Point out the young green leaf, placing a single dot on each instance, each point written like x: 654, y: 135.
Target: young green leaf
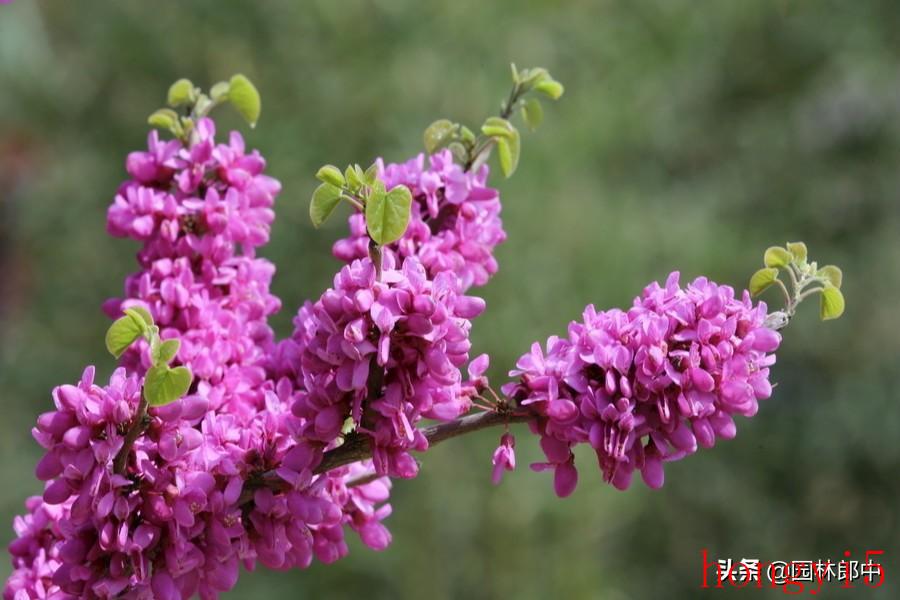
x: 762, y: 279
x: 387, y: 215
x: 122, y: 333
x: 353, y: 181
x: 165, y: 351
x: 532, y: 113
x: 496, y: 127
x: 466, y: 135
x: 139, y: 313
x: 372, y: 174
x: 550, y: 88
x: 831, y: 303
x: 438, y: 134
x: 164, y: 118
x: 533, y: 76
x: 777, y: 257
x: 164, y: 385
x: 798, y: 251
x: 459, y: 151
x: 243, y: 96
x: 833, y: 274
x: 219, y: 91
x: 324, y: 201
x: 331, y: 174
x: 508, y: 152
x: 181, y: 92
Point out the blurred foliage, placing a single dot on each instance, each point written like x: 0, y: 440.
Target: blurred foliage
x: 692, y: 136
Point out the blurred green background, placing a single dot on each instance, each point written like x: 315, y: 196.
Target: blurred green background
x: 692, y: 135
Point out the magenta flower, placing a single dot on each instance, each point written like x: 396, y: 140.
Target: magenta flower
x: 455, y: 223
x: 504, y: 457
x: 381, y: 354
x: 648, y: 385
x: 182, y: 517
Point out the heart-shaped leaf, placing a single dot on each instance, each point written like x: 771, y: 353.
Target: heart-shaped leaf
x: 762, y: 279
x: 831, y: 303
x: 165, y: 351
x: 387, y: 215
x: 164, y: 385
x: 777, y: 257
x: 438, y: 134
x: 125, y: 330
x: 324, y: 200
x: 243, y: 96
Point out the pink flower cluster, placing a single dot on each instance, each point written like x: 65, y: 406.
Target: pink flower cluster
x: 647, y: 385
x: 191, y: 504
x: 455, y: 223
x: 201, y: 212
x: 383, y: 353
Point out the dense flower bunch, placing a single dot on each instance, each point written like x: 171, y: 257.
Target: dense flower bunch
x: 384, y: 352
x: 455, y: 222
x: 187, y: 508
x: 194, y: 208
x: 649, y: 384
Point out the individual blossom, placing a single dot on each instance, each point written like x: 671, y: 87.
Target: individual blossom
x: 455, y: 222
x: 504, y: 458
x: 647, y: 385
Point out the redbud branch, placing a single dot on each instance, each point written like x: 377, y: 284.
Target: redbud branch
x: 485, y: 143
x: 357, y: 447
x: 138, y: 424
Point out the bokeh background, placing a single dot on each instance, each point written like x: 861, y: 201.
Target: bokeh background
x: 692, y: 135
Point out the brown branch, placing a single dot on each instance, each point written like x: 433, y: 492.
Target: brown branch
x: 138, y: 425
x: 357, y: 447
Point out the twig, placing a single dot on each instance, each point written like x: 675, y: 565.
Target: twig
x: 138, y: 425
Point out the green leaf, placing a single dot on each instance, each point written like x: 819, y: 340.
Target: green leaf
x: 360, y: 174
x: 496, y: 127
x: 466, y: 135
x: 164, y: 118
x: 515, y: 72
x: 831, y: 303
x: 508, y: 152
x: 833, y: 274
x: 354, y: 181
x: 550, y: 88
x: 531, y: 77
x: 459, y: 151
x: 331, y: 174
x: 243, y: 96
x: 181, y: 92
x: 122, y: 333
x: 219, y: 92
x: 164, y: 385
x: 165, y: 351
x: 387, y: 215
x: 777, y: 257
x: 438, y: 134
x: 532, y: 113
x: 324, y: 200
x: 372, y: 174
x: 798, y: 251
x: 140, y: 313
x: 762, y: 279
